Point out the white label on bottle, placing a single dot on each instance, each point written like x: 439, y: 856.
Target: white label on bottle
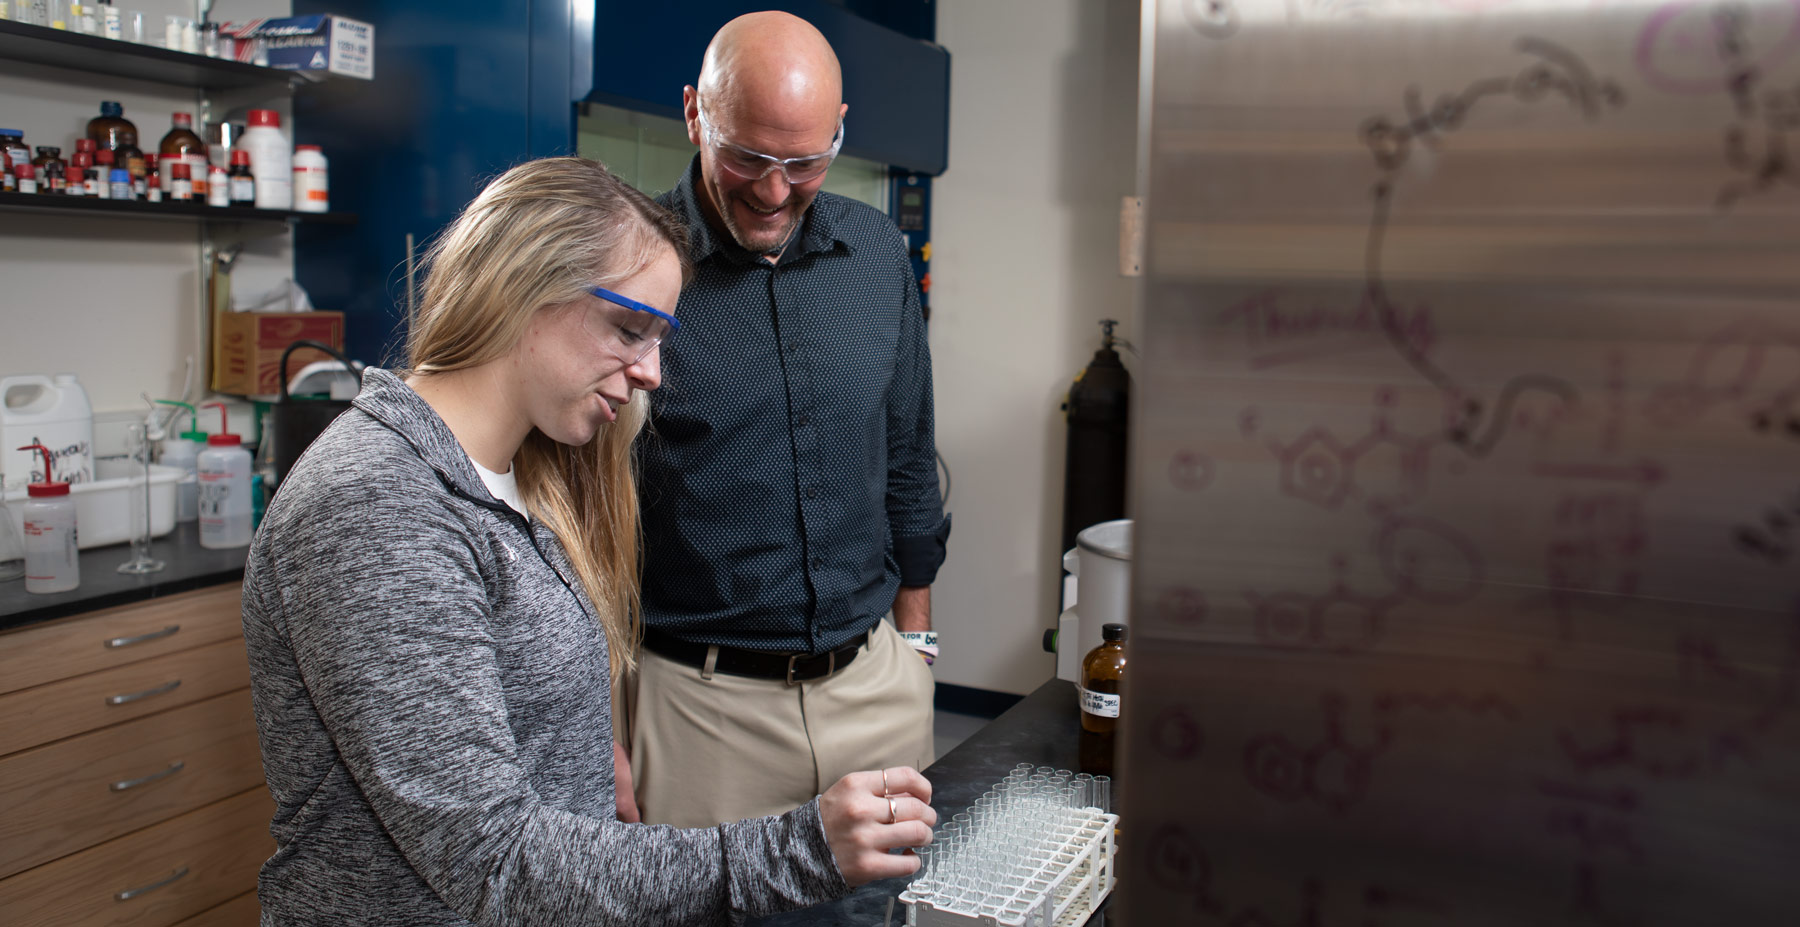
x: 197, y: 171
x: 1098, y: 704
x: 28, y: 186
x: 243, y: 190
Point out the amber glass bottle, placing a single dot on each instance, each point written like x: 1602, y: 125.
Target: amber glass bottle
x: 111, y: 131
x: 182, y: 145
x: 1101, y: 673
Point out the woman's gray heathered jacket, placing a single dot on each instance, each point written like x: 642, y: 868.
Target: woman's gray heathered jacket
x: 432, y: 695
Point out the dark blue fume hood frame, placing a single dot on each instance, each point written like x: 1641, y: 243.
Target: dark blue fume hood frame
x: 463, y: 90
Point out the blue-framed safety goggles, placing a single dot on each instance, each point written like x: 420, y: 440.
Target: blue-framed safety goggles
x: 626, y: 328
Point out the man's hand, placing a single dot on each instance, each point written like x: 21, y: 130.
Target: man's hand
x: 623, y: 796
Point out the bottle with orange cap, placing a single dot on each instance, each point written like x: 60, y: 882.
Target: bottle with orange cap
x: 52, y: 555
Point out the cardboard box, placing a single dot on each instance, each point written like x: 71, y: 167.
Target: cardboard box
x: 247, y: 347
x: 321, y: 42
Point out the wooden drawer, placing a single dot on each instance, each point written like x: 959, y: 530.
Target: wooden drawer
x: 242, y: 911
x: 84, y: 703
x: 117, y: 636
x: 68, y: 796
x: 169, y: 872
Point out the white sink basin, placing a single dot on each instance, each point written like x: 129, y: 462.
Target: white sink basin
x: 110, y: 510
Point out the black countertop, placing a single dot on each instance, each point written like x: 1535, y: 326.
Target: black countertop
x: 187, y: 566
x: 1041, y: 730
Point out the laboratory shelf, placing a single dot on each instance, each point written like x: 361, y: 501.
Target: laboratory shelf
x: 48, y: 203
x: 101, y: 55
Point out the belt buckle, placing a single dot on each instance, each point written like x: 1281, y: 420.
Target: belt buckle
x: 830, y: 666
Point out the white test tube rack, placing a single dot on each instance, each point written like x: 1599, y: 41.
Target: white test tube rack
x: 1030, y: 862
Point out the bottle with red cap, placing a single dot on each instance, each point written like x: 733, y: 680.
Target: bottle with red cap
x: 81, y: 168
x: 224, y: 488
x: 52, y: 555
x: 271, y: 159
x: 243, y: 182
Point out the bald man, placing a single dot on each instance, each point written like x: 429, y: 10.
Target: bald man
x: 790, y: 493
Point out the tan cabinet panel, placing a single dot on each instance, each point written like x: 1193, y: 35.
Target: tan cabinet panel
x: 58, y: 799
x: 242, y: 911
x: 117, y: 636
x: 155, y: 877
x: 84, y: 703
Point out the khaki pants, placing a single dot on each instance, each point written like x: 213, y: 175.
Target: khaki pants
x: 708, y: 751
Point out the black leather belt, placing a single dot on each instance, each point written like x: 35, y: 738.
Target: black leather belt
x: 760, y: 664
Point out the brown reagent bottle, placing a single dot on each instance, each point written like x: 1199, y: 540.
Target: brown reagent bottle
x: 1102, y: 670
x: 111, y: 131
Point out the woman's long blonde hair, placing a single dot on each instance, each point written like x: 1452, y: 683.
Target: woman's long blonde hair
x: 540, y: 235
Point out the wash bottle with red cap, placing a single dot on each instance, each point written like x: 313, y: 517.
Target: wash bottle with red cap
x: 224, y: 488
x: 52, y: 560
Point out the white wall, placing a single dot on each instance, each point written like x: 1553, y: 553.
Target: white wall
x: 114, y: 300
x: 1025, y: 262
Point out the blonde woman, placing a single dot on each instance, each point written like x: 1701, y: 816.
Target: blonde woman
x: 446, y: 585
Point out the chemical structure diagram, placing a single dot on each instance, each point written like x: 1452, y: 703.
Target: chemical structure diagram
x: 1321, y: 468
x: 1750, y: 366
x: 1593, y: 558
x: 1476, y: 427
x: 1178, y: 865
x: 1334, y: 771
x: 1175, y: 735
x: 1422, y: 560
x: 1773, y: 115
x: 1661, y: 744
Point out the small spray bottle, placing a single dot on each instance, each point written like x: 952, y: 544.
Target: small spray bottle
x: 52, y: 558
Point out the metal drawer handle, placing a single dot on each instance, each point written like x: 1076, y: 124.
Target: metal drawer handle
x: 124, y: 784
x: 153, y: 635
x: 133, y: 893
x: 123, y: 699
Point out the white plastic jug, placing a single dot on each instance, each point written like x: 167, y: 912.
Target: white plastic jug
x: 1101, y: 562
x: 54, y: 412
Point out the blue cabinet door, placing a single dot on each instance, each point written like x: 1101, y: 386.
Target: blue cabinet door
x: 462, y: 91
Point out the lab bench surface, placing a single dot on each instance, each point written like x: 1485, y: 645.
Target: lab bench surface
x: 187, y: 566
x: 1040, y: 730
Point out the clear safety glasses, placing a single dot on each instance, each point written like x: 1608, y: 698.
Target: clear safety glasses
x: 627, y: 329
x: 754, y: 165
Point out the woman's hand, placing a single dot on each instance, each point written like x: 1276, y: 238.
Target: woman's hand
x: 868, y: 813
x: 623, y: 796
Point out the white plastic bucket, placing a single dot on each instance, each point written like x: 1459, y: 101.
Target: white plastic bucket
x: 1101, y: 564
x: 54, y: 412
